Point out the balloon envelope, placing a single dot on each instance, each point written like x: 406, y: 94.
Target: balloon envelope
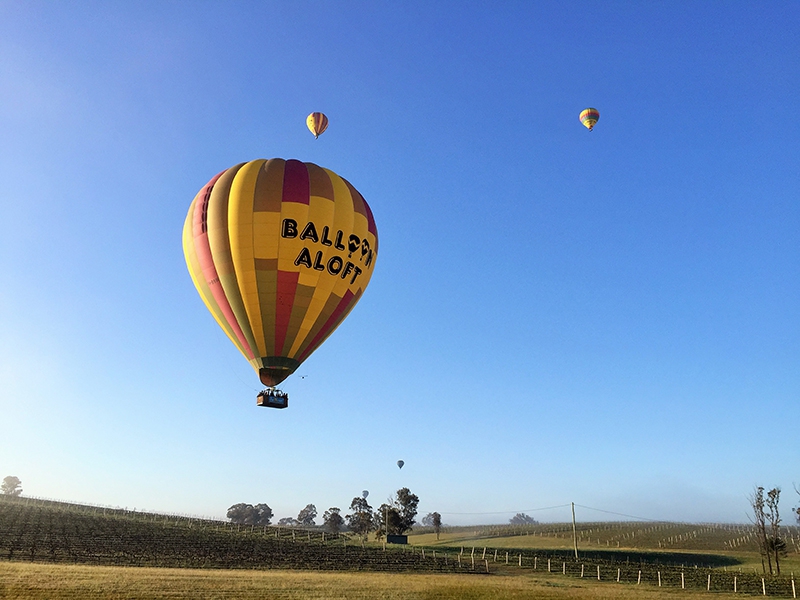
x: 589, y: 117
x: 400, y: 464
x: 365, y: 493
x: 280, y: 252
x: 317, y: 122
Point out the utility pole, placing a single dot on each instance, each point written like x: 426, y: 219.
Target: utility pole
x: 574, y: 533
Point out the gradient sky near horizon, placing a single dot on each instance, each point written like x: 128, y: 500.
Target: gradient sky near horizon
x: 606, y: 318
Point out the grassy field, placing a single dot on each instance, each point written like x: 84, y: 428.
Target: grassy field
x: 55, y: 550
x: 711, y: 550
x: 34, y: 581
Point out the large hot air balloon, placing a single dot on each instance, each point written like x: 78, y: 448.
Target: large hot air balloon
x: 588, y: 117
x: 280, y: 252
x: 317, y: 123
x: 400, y: 464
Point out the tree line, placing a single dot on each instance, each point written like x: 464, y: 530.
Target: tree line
x: 395, y: 517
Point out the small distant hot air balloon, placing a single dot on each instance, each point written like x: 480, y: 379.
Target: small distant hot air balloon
x: 589, y: 116
x: 317, y: 123
x: 365, y: 493
x: 400, y: 464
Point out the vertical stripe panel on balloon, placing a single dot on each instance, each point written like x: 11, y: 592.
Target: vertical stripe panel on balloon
x: 320, y: 214
x: 206, y: 261
x: 295, y: 206
x: 333, y: 288
x: 267, y: 234
x: 344, y: 221
x: 326, y: 282
x: 240, y: 227
x: 193, y: 264
x: 361, y: 253
x: 228, y: 190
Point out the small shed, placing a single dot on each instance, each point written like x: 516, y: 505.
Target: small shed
x: 397, y: 539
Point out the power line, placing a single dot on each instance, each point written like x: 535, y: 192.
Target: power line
x: 507, y: 512
x: 621, y: 514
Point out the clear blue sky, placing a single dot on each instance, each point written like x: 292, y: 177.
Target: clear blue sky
x: 609, y: 318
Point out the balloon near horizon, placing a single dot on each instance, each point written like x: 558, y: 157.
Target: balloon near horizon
x: 280, y: 252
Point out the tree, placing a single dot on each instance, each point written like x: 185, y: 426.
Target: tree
x: 247, y: 514
x: 332, y: 520
x: 387, y: 512
x: 434, y: 520
x: 288, y: 522
x: 760, y: 521
x: 307, y: 515
x: 406, y: 504
x: 400, y: 512
x: 263, y: 514
x: 11, y: 486
x: 360, y: 520
x: 522, y: 519
x: 797, y: 509
x: 775, y: 544
x: 240, y: 513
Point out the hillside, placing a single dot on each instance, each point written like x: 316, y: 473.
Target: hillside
x: 43, y: 531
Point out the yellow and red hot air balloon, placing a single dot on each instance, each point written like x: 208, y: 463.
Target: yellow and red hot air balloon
x: 280, y: 252
x: 317, y: 122
x: 589, y: 117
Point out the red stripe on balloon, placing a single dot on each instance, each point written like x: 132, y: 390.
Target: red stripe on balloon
x: 295, y: 182
x: 287, y: 287
x: 203, y: 250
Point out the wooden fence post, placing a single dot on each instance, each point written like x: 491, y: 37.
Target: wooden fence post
x: 659, y: 578
x: 598, y: 572
x: 619, y: 571
x: 639, y: 580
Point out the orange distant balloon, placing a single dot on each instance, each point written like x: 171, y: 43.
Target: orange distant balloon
x: 317, y: 123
